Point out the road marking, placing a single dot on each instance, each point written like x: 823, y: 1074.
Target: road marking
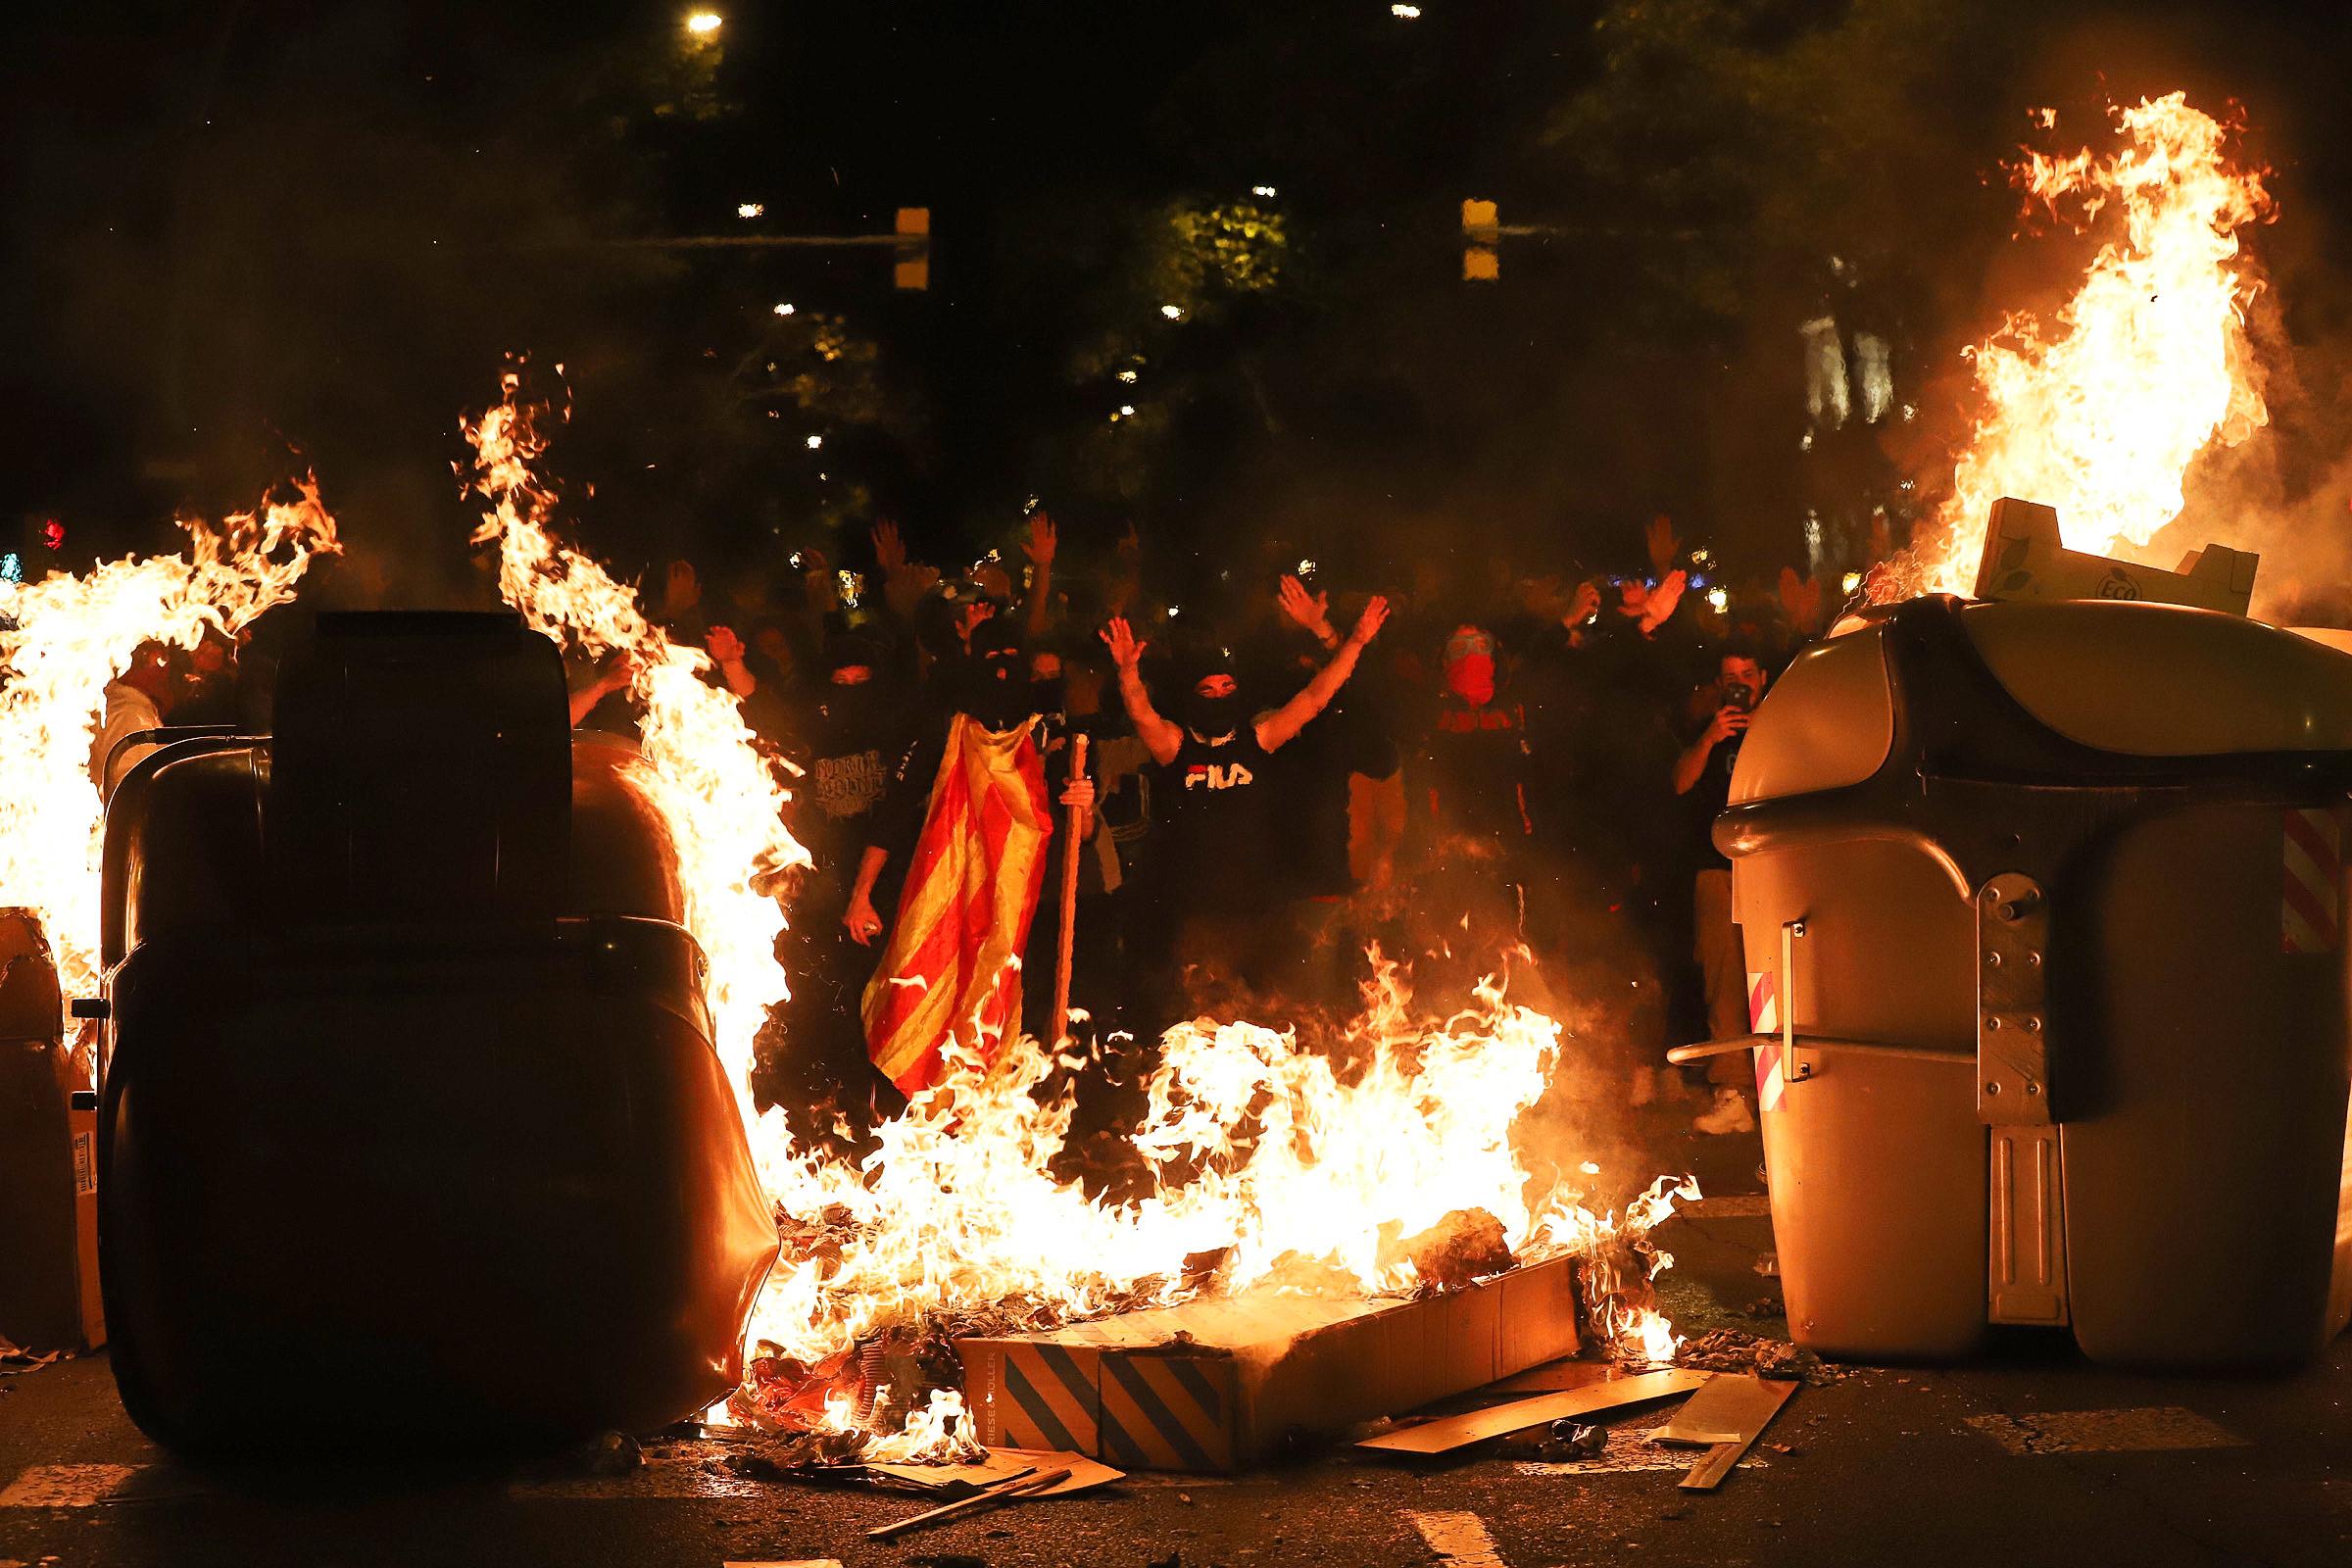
x: 2143, y: 1431
x: 66, y: 1485
x: 1458, y: 1536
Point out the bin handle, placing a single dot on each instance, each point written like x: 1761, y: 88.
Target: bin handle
x: 1684, y: 1056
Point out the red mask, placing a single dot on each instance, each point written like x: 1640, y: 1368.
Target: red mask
x: 1471, y: 677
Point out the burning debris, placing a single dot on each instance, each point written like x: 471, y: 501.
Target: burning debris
x: 2100, y: 412
x: 1279, y: 1162
x: 64, y: 639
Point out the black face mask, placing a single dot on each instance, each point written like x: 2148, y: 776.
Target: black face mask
x: 995, y: 695
x: 1212, y: 717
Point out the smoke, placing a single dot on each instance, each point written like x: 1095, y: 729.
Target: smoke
x: 2287, y: 493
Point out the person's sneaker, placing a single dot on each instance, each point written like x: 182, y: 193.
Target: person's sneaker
x: 1729, y: 1113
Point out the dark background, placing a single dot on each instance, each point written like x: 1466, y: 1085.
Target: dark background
x: 241, y: 227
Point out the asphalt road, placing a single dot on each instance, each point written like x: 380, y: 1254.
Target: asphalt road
x: 1971, y: 1465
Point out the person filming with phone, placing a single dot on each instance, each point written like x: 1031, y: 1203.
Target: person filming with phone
x: 1703, y: 778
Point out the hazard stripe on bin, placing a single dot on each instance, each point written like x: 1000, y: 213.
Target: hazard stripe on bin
x: 1763, y: 1017
x: 2312, y: 859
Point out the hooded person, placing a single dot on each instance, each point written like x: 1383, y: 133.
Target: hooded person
x: 950, y: 965
x: 1215, y: 839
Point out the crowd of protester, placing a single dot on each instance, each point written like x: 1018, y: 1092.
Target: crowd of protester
x: 1473, y: 763
x: 1279, y: 777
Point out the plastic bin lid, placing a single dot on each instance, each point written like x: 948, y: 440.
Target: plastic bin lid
x: 2147, y: 681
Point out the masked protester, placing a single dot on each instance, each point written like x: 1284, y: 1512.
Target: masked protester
x: 1476, y: 758
x: 1703, y: 778
x: 1216, y: 837
x: 856, y: 731
x: 979, y: 793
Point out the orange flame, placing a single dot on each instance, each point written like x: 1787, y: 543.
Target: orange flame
x: 1286, y: 1163
x: 62, y: 640
x: 2145, y: 365
x: 697, y: 759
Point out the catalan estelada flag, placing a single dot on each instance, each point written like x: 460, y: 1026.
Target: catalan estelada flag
x: 950, y: 963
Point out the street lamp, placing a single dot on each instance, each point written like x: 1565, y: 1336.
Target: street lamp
x: 703, y: 24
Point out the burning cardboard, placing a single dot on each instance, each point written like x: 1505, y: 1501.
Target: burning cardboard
x: 1221, y: 1383
x: 2026, y: 559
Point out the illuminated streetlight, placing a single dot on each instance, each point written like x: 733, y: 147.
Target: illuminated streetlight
x: 1174, y: 313
x: 749, y: 208
x: 1406, y: 12
x: 1261, y: 190
x: 815, y: 441
x: 1127, y: 409
x: 1127, y: 376
x: 784, y: 309
x: 703, y: 24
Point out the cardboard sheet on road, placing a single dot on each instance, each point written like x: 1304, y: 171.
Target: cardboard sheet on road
x: 1459, y: 1431
x: 1002, y: 1462
x: 1726, y: 1417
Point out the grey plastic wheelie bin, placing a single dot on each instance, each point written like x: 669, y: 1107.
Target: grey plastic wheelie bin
x: 2042, y: 906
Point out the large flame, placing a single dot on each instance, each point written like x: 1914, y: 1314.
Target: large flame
x: 697, y: 759
x: 62, y: 640
x: 2100, y: 412
x: 1270, y: 1160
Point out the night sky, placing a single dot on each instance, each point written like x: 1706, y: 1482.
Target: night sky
x: 235, y: 229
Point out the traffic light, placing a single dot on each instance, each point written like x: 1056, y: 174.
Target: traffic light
x: 1482, y: 256
x: 913, y: 228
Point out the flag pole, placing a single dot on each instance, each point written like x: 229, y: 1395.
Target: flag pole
x: 1069, y: 903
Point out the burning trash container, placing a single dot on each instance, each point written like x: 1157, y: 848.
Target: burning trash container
x: 411, y: 1123
x: 2043, y: 910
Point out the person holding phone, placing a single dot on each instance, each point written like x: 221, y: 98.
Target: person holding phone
x: 1702, y: 777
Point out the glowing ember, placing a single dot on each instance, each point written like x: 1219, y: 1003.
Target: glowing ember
x: 1270, y: 1163
x: 63, y: 639
x: 2101, y: 413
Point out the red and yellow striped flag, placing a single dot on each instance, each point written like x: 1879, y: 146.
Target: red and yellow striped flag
x: 950, y: 965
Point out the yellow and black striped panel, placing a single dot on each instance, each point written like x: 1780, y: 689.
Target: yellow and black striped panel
x: 1167, y: 1412
x: 1047, y: 1398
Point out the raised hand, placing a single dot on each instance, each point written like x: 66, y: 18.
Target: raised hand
x: 1585, y: 604
x: 890, y: 549
x: 1664, y: 597
x: 1039, y: 546
x: 1119, y: 638
x: 724, y: 646
x: 1660, y: 539
x: 1313, y: 612
x: 1368, y: 624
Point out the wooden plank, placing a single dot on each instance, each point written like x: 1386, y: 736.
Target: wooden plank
x: 1459, y: 1431
x: 1726, y: 1417
x: 1553, y: 1377
x: 1005, y: 1490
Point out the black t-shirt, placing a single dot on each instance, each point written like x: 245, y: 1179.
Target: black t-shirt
x: 1215, y: 838
x: 1709, y: 795
x: 855, y: 736
x: 1478, y: 769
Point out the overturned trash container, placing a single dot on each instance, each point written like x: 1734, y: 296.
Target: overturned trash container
x: 2044, y: 912
x: 412, y: 1128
